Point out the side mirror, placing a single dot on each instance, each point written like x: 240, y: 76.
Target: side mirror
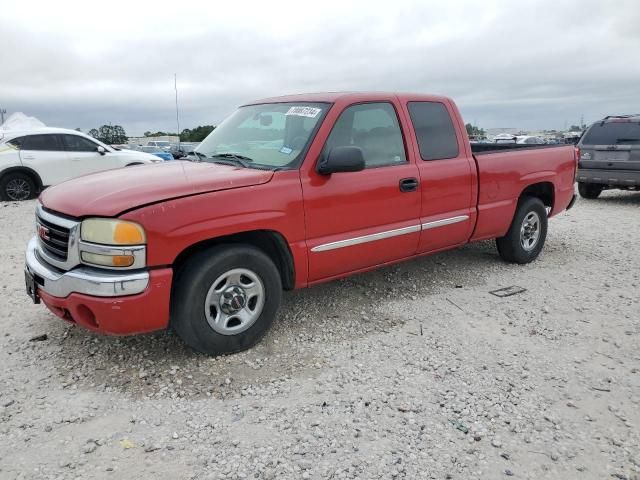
x: 342, y: 159
x: 101, y: 150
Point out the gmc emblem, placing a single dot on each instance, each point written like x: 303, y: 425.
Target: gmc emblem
x: 43, y: 232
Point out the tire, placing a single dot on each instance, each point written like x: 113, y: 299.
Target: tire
x: 209, y: 290
x: 590, y: 190
x: 526, y: 236
x: 17, y: 186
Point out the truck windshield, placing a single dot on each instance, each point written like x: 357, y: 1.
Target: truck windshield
x: 613, y: 133
x: 270, y: 135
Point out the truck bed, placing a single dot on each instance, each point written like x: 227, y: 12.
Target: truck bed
x: 505, y: 173
x: 483, y: 148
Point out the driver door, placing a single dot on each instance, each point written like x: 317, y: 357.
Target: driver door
x: 358, y: 220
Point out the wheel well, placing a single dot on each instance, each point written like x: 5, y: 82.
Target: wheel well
x: 27, y: 171
x: 543, y: 190
x: 273, y: 244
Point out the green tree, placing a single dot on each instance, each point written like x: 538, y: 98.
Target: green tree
x: 109, y: 134
x: 160, y: 134
x: 197, y: 134
x: 474, y: 131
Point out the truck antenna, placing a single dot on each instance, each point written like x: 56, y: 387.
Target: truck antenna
x: 175, y: 86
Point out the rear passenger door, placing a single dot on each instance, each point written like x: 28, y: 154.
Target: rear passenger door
x: 357, y: 220
x: 447, y: 176
x: 45, y: 154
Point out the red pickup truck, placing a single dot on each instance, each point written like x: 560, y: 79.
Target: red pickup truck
x: 286, y: 193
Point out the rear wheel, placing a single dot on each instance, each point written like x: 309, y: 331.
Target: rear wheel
x: 17, y: 186
x: 225, y: 299
x: 526, y: 236
x: 590, y: 190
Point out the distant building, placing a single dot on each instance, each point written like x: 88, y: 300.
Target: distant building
x: 145, y: 140
x: 492, y: 132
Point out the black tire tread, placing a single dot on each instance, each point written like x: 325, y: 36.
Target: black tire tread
x: 509, y: 246
x: 11, y: 175
x: 191, y: 282
x: 590, y: 191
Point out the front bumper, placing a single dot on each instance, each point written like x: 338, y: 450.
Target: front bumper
x: 86, y: 280
x: 102, y: 301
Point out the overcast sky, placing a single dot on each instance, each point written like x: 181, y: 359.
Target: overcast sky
x: 526, y: 64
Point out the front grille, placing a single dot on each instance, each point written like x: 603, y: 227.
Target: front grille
x: 54, y: 239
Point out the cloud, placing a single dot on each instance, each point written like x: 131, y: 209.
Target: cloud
x: 534, y: 64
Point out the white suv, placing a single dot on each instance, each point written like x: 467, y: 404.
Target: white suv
x: 33, y: 159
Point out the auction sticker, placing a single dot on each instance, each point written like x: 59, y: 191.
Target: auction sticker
x: 310, y: 112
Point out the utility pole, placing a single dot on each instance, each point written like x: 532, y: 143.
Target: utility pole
x: 175, y: 86
x: 3, y: 112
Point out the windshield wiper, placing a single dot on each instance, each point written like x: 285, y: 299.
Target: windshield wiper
x: 232, y: 155
x: 198, y: 155
x: 233, y: 159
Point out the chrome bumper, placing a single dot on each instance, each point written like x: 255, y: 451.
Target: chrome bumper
x: 85, y: 280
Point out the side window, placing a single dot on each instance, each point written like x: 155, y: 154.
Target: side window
x: 436, y: 135
x: 76, y: 143
x: 373, y: 127
x: 50, y: 143
x: 16, y: 142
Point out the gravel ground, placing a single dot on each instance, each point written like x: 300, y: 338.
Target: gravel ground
x: 413, y: 371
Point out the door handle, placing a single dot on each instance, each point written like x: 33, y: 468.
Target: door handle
x: 409, y: 184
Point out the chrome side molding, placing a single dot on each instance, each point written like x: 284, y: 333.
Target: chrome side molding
x: 444, y: 221
x: 366, y: 238
x: 389, y: 233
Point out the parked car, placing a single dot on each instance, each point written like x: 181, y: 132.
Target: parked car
x: 159, y: 145
x: 163, y: 154
x: 529, y: 140
x: 609, y: 156
x: 34, y: 159
x: 288, y: 192
x: 182, y: 149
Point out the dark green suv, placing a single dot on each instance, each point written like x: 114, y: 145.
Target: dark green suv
x: 609, y: 156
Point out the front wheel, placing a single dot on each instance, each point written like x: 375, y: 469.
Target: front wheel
x: 225, y: 299
x: 590, y: 191
x: 527, y: 234
x: 17, y: 186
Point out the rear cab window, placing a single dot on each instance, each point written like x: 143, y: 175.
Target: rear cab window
x: 435, y: 132
x: 623, y: 132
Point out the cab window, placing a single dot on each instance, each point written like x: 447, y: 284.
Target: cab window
x: 373, y: 127
x: 434, y: 130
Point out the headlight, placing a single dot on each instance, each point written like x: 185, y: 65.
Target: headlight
x: 106, y: 231
x: 111, y: 243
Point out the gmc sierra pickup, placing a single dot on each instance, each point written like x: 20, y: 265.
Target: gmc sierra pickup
x: 286, y: 193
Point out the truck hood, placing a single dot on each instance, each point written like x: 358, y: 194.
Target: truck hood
x: 110, y: 193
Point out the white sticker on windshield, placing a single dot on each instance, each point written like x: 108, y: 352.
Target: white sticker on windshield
x: 310, y: 112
